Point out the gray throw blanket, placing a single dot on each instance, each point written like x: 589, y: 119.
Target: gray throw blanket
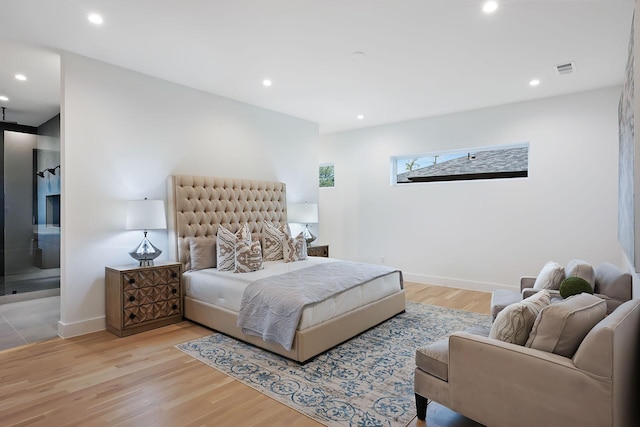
x: 271, y: 308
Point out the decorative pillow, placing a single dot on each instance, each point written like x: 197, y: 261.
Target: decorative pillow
x: 273, y: 241
x: 574, y: 286
x: 248, y: 256
x: 550, y: 277
x: 295, y: 249
x: 581, y: 269
x: 515, y: 321
x: 613, y: 282
x: 561, y: 327
x: 226, y: 246
x: 202, y: 252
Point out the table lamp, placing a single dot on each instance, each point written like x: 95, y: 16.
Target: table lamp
x: 304, y: 213
x: 146, y: 215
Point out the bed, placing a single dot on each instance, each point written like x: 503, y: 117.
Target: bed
x: 199, y: 205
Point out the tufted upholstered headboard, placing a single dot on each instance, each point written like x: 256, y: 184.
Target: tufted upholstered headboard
x: 198, y: 205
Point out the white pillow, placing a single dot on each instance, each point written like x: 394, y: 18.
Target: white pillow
x: 248, y: 256
x: 513, y: 324
x: 550, y: 277
x: 226, y: 246
x: 295, y: 249
x: 581, y: 269
x: 273, y: 241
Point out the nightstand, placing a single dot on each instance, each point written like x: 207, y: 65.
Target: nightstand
x: 143, y: 298
x: 319, y: 250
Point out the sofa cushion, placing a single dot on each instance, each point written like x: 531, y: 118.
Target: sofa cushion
x: 560, y: 327
x: 514, y: 323
x: 581, y: 269
x: 433, y: 358
x: 501, y: 298
x: 613, y: 282
x: 599, y: 348
x: 550, y: 277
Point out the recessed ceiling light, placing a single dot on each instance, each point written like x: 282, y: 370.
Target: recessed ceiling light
x: 534, y: 82
x: 3, y: 98
x: 360, y: 116
x: 490, y: 6
x: 266, y: 82
x: 95, y: 18
x: 21, y: 77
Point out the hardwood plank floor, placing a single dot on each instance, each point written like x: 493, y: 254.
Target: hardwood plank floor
x: 99, y: 379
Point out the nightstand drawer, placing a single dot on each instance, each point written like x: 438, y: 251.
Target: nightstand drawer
x: 320, y: 250
x: 149, y: 277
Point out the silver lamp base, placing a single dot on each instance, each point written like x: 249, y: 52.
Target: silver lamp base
x: 145, y: 252
x: 308, y: 236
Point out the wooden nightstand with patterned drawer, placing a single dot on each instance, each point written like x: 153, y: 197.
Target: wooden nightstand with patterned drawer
x: 320, y: 250
x: 143, y: 298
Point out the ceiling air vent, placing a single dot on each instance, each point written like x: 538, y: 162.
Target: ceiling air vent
x: 568, y: 68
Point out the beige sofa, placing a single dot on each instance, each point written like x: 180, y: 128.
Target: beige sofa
x: 502, y: 384
x: 611, y: 283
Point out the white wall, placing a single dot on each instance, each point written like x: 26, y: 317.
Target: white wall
x: 123, y: 133
x: 480, y: 234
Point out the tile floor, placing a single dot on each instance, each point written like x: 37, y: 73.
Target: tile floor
x: 28, y: 321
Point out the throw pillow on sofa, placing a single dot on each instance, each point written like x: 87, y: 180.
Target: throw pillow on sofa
x: 561, y: 327
x: 581, y: 269
x: 513, y: 324
x: 550, y: 277
x: 574, y: 286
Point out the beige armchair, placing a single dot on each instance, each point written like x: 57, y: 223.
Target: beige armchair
x: 501, y: 384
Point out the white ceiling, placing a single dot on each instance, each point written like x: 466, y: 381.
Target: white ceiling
x: 422, y: 57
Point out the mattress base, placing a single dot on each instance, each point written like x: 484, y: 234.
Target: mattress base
x: 309, y: 342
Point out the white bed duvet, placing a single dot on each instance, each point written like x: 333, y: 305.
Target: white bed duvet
x: 225, y: 289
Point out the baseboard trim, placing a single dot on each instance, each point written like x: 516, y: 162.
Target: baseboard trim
x: 68, y: 330
x: 456, y: 283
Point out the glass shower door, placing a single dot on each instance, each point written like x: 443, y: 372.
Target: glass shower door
x: 31, y: 213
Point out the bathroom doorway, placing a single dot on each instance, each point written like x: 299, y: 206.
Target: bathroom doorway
x: 30, y: 215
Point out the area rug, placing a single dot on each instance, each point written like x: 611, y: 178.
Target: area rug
x: 366, y: 381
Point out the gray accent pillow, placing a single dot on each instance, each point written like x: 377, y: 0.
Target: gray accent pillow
x: 561, y: 327
x: 514, y: 323
x: 613, y: 282
x: 581, y: 269
x: 202, y: 252
x: 550, y: 277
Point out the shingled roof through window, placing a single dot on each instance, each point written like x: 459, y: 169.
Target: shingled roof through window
x: 508, y: 162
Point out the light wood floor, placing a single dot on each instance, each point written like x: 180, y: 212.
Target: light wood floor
x: 99, y: 379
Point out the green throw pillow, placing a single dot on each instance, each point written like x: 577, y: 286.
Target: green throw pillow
x: 574, y: 286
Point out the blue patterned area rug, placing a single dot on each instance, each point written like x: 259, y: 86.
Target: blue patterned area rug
x: 366, y: 381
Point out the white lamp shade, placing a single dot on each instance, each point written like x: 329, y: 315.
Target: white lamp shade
x: 146, y: 215
x: 302, y: 213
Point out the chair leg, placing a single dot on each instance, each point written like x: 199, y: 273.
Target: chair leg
x: 421, y: 407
